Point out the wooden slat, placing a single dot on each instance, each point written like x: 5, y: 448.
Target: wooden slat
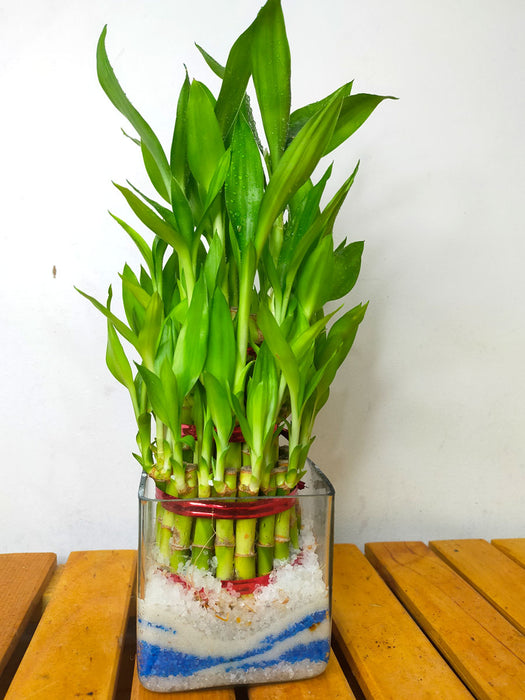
x: 138, y: 692
x: 387, y: 652
x: 513, y: 548
x: 75, y: 650
x: 329, y: 684
x: 481, y: 645
x: 493, y: 574
x: 23, y: 578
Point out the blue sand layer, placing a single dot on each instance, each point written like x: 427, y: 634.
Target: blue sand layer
x: 154, y: 660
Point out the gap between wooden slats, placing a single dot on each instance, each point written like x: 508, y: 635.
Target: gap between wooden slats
x: 387, y: 652
x: 499, y: 579
x: 479, y: 643
x: 23, y: 579
x: 513, y: 548
x: 76, y: 648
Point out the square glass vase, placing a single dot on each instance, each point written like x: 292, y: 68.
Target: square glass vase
x: 196, y: 631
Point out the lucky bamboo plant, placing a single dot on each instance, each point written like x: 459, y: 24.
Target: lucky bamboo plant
x: 230, y: 344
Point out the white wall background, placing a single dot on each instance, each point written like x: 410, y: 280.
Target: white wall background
x: 424, y: 434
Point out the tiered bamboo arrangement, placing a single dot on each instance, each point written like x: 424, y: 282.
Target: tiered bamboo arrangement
x: 225, y: 317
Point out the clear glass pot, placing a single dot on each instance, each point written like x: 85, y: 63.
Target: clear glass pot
x: 196, y: 631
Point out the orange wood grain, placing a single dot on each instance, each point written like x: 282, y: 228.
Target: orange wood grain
x: 76, y: 648
x: 23, y: 579
x: 387, y: 652
x: 489, y: 571
x: 486, y: 651
x: 328, y: 685
x: 513, y: 548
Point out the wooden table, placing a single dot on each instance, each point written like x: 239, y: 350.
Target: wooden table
x: 411, y: 621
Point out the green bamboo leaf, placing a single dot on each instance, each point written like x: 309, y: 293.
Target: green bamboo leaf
x: 182, y: 212
x: 241, y: 419
x: 170, y: 290
x: 215, y: 66
x: 213, y: 261
x: 299, y: 117
x: 281, y: 349
x: 217, y: 181
x: 134, y: 298
x: 295, y: 167
x: 119, y: 325
x: 172, y: 397
x: 221, y: 357
x: 321, y: 226
x: 234, y: 81
x: 130, y: 282
x: 178, y: 159
x: 304, y: 218
x: 219, y: 406
x: 116, y: 94
x: 305, y: 340
x: 141, y: 244
x: 244, y: 185
x: 270, y: 55
x: 192, y: 343
x: 149, y: 336
x: 155, y: 175
x: 118, y: 363
x: 166, y: 344
x: 153, y: 222
x: 156, y: 395
x: 354, y: 112
x: 338, y: 344
x: 315, y: 277
x: 262, y: 398
x: 347, y: 265
x: 205, y: 145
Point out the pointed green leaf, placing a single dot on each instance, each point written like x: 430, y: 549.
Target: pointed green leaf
x: 121, y: 327
x: 354, y: 112
x: 347, y: 265
x: 236, y: 75
x: 182, y: 212
x: 338, y: 344
x: 172, y: 398
x: 213, y: 261
x: 280, y: 348
x: 205, y: 145
x: 219, y: 406
x: 270, y: 55
x: 130, y: 282
x: 138, y: 240
x: 155, y: 175
x: 178, y: 160
x: 190, y: 351
x: 221, y: 356
x: 212, y: 63
x: 217, y: 181
x: 149, y: 335
x: 315, y: 277
x: 300, y: 116
x: 117, y: 362
x: 301, y: 223
x: 244, y: 184
x: 152, y: 221
x: 295, y: 167
x: 134, y: 298
x: 156, y: 395
x: 262, y: 398
x: 116, y: 94
x: 321, y: 226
